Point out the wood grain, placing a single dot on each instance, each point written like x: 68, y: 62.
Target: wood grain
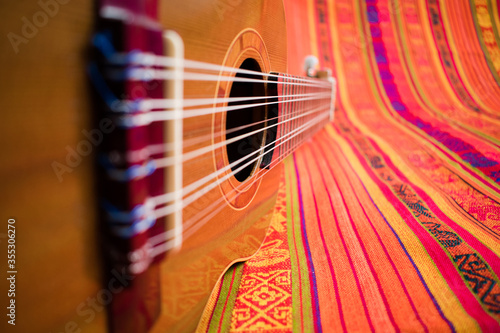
x: 45, y: 105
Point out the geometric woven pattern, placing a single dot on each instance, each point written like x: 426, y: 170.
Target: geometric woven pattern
x: 265, y: 297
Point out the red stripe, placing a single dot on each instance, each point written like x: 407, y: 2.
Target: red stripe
x: 374, y: 274
x: 380, y: 241
x: 358, y: 284
x: 325, y: 246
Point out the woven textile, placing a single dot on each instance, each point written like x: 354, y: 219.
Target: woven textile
x: 389, y: 219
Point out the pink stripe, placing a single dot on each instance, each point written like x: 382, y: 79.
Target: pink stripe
x: 450, y: 54
x: 433, y: 112
x: 310, y: 264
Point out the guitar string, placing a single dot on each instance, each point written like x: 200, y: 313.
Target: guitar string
x: 149, y: 59
x: 135, y: 156
x: 306, y: 126
x: 200, y: 182
x: 191, y: 187
x: 208, y: 77
x: 311, y: 124
x: 169, y: 209
x: 165, y: 162
x: 198, y: 101
x: 317, y: 82
x: 169, y: 160
x: 195, y: 221
x: 143, y: 153
x: 169, y: 196
x: 149, y: 74
x: 147, y: 105
x: 187, y: 145
x: 143, y: 119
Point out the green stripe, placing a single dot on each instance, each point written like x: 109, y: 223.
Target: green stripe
x: 298, y: 259
x: 223, y: 319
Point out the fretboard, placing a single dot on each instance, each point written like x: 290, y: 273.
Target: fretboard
x: 304, y: 105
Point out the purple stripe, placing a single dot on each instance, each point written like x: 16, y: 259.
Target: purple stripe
x: 434, y: 110
x: 390, y: 89
x: 464, y: 167
x: 466, y: 151
x: 312, y: 277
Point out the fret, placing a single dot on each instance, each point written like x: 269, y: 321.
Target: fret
x: 300, y: 110
x: 288, y: 115
x: 282, y: 89
x: 303, y: 109
x: 284, y: 107
x: 303, y: 91
x: 288, y: 107
x: 305, y: 104
x: 297, y: 110
x: 290, y: 112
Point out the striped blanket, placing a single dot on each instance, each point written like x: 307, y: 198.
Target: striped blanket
x: 389, y: 219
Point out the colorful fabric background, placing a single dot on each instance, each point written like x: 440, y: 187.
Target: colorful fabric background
x: 389, y: 219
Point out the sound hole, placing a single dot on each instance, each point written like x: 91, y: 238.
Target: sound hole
x: 246, y: 120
